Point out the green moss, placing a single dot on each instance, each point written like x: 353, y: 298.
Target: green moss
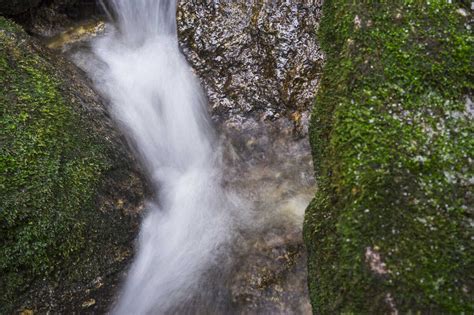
x: 393, y: 143
x: 51, y: 167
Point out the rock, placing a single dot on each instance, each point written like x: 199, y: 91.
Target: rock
x: 254, y: 58
x: 77, y: 33
x: 52, y: 17
x: 64, y: 166
x: 271, y: 278
x: 14, y: 7
x: 390, y: 229
x: 88, y: 303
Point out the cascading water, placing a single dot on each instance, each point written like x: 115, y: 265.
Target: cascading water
x: 222, y: 231
x: 158, y: 102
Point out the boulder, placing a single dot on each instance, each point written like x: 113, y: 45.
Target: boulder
x: 254, y: 59
x: 390, y: 229
x: 71, y: 192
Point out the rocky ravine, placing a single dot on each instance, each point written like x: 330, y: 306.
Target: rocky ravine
x: 260, y: 66
x: 263, y: 131
x: 390, y: 228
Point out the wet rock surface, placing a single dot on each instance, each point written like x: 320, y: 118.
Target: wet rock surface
x: 57, y: 16
x: 254, y: 58
x: 260, y: 66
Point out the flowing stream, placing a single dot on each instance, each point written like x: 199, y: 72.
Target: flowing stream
x: 158, y: 101
x: 215, y: 222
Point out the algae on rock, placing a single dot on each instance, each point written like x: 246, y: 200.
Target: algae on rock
x: 59, y: 155
x: 391, y: 226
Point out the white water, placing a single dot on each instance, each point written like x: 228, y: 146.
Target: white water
x: 159, y: 103
x: 201, y: 250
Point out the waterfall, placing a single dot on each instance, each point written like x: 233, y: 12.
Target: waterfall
x: 160, y: 105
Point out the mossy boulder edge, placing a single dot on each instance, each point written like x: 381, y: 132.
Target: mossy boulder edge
x: 391, y: 226
x: 70, y: 189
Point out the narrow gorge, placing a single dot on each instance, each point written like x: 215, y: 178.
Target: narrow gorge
x: 236, y: 157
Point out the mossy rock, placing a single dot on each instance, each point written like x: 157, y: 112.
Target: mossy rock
x: 69, y: 187
x: 391, y: 226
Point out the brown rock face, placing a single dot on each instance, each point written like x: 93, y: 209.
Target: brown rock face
x: 253, y: 57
